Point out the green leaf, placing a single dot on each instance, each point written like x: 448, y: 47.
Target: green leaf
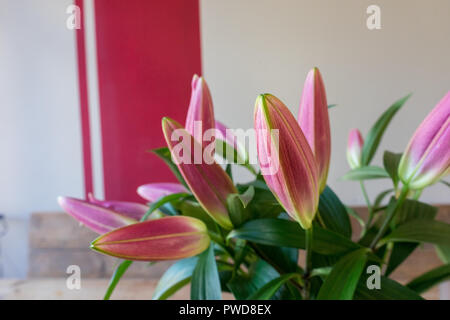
x: 247, y: 196
x: 178, y: 275
x: 375, y: 134
x: 430, y: 279
x: 331, y: 106
x: 412, y: 210
x: 445, y: 182
x: 270, y: 288
x: 354, y: 214
x: 162, y: 201
x: 164, y: 154
x: 391, y: 161
x: 264, y: 204
x: 421, y: 230
x: 193, y: 209
x: 285, y: 259
x: 366, y: 173
x: 343, y: 279
x: 380, y: 197
x: 389, y: 290
x: 229, y: 171
x: 237, y: 206
x: 399, y: 253
x: 285, y: 233
x: 245, y: 285
x: 443, y: 253
x: 333, y: 213
x: 205, y: 283
x: 118, y: 273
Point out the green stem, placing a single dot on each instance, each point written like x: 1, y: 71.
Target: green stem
x: 417, y: 194
x: 251, y: 169
x: 369, y: 207
x: 391, y: 214
x: 308, y: 266
x: 308, y: 244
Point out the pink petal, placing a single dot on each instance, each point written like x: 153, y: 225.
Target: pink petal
x: 167, y: 238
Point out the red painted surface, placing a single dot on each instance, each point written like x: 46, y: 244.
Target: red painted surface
x: 84, y: 106
x: 147, y: 54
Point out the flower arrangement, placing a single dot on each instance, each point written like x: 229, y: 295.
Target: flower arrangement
x: 246, y: 238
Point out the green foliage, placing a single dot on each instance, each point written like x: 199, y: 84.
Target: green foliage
x: 205, y: 282
x: 341, y: 283
x: 375, y: 134
x: 430, y: 279
x: 177, y: 276
x: 366, y: 173
x: 259, y: 257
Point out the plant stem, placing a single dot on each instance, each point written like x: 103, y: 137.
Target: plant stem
x: 308, y: 245
x: 308, y: 266
x: 369, y: 207
x: 391, y: 215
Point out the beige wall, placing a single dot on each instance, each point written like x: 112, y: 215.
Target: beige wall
x: 256, y: 46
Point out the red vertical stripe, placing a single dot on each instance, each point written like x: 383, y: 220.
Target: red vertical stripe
x: 147, y: 53
x: 84, y: 105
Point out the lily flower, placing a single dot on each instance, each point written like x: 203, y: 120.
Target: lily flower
x: 208, y: 182
x: 95, y: 217
x: 354, y: 148
x: 132, y: 210
x: 315, y: 124
x: 167, y: 238
x: 427, y: 156
x: 294, y: 182
x: 200, y: 115
x: 154, y: 191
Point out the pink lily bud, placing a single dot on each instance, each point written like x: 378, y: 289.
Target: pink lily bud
x: 354, y: 148
x: 95, y: 217
x: 167, y: 238
x: 314, y: 121
x: 207, y: 180
x: 200, y: 115
x: 294, y: 182
x: 132, y: 210
x: 154, y: 191
x: 427, y: 156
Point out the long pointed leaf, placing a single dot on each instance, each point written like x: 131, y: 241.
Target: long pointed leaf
x: 421, y: 230
x: 205, y: 282
x: 366, y: 173
x: 285, y: 233
x: 343, y: 279
x: 375, y: 134
x: 270, y: 288
x: 389, y: 290
x: 430, y: 279
x: 333, y: 213
x: 178, y: 275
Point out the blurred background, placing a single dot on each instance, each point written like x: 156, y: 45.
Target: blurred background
x: 79, y: 107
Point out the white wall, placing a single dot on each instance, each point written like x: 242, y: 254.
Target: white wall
x: 39, y: 117
x: 257, y: 46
